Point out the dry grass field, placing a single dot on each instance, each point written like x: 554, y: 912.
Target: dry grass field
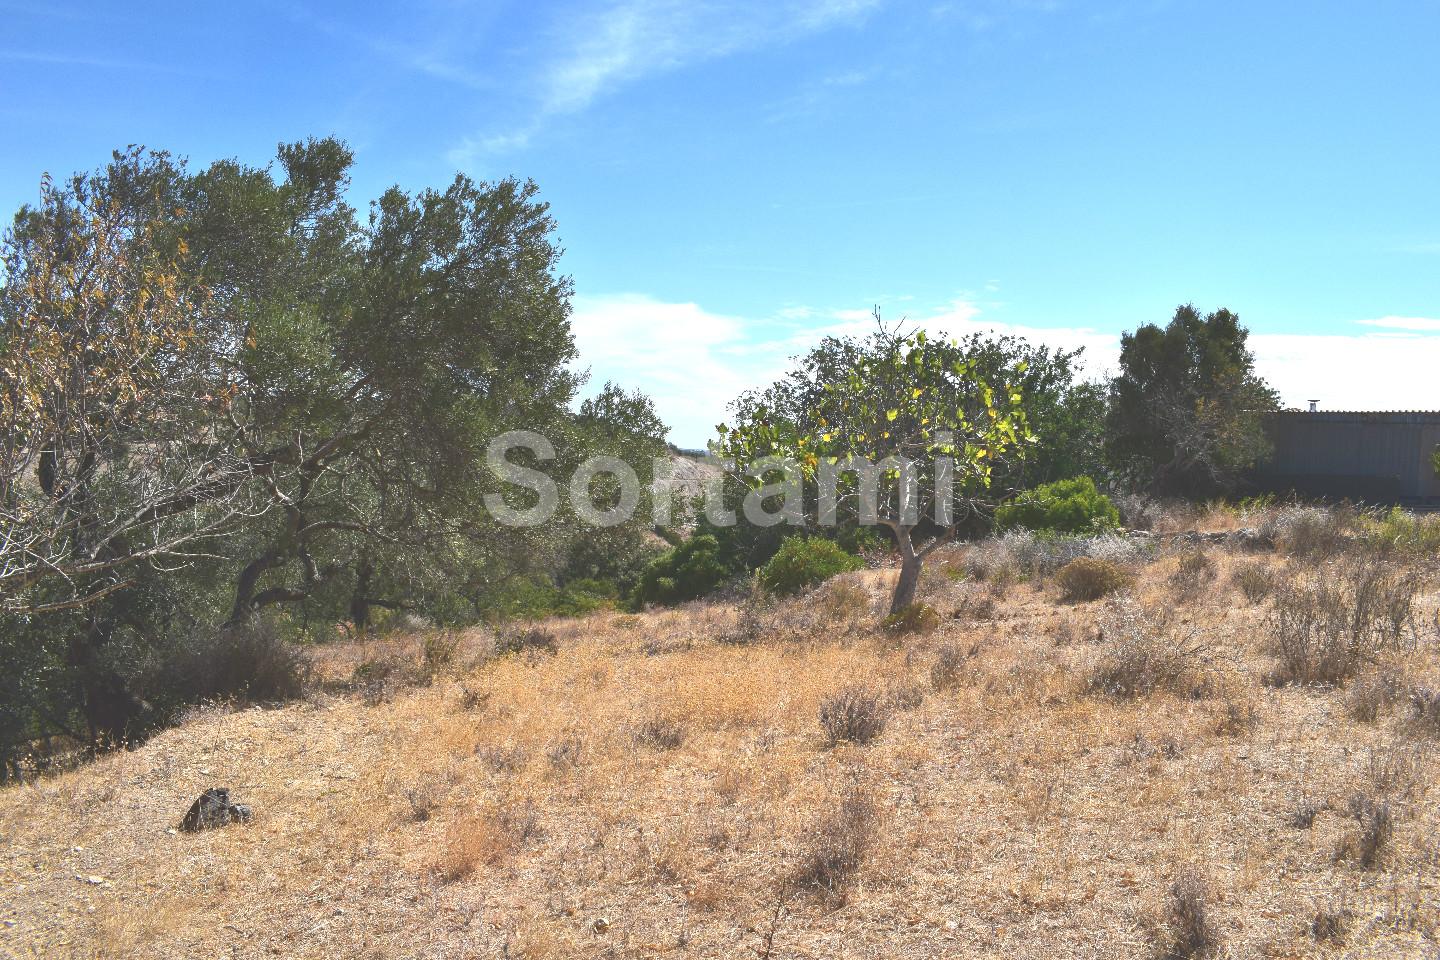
x: 1191, y: 766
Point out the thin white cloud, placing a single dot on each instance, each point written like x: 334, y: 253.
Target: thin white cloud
x: 693, y: 362
x: 72, y: 60
x: 1422, y: 324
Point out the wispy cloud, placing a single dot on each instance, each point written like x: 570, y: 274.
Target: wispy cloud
x: 623, y: 41
x: 1416, y: 324
x: 74, y: 60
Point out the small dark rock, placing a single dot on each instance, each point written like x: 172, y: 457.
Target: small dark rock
x: 214, y: 809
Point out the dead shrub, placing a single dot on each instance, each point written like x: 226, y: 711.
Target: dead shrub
x: 1194, y: 571
x: 915, y: 619
x: 1374, y: 694
x: 1374, y: 828
x: 565, y: 753
x: 839, y: 845
x: 1089, y: 578
x: 1255, y: 581
x: 1325, y: 628
x: 1187, y: 919
x: 658, y: 733
x: 504, y: 757
x: 525, y: 639
x: 952, y: 665
x: 1425, y: 709
x: 1145, y: 652
x: 855, y: 715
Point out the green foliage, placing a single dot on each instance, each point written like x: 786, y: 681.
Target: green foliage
x: 1186, y: 412
x: 1399, y: 529
x: 804, y: 562
x: 299, y: 440
x: 686, y: 572
x: 535, y: 598
x: 1065, y: 506
x: 895, y: 394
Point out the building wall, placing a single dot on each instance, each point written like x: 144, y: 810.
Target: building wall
x: 1376, y: 457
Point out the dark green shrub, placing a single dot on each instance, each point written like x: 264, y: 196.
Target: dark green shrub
x: 1065, y: 506
x: 803, y: 562
x: 687, y: 572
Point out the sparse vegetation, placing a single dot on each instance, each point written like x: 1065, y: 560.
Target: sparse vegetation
x: 808, y: 768
x: 1089, y: 578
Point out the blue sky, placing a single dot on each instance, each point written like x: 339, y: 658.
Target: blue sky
x: 731, y: 181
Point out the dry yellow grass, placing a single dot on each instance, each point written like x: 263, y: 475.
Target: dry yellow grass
x: 650, y: 791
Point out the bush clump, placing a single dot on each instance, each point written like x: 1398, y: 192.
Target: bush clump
x: 855, y: 714
x: 1326, y: 628
x: 1147, y: 651
x: 803, y: 562
x: 916, y: 618
x: 687, y: 572
x: 1065, y: 506
x: 1255, y: 581
x: 1089, y: 578
x: 842, y: 840
x: 250, y: 662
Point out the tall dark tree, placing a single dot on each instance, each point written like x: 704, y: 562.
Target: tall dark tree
x: 1187, y: 410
